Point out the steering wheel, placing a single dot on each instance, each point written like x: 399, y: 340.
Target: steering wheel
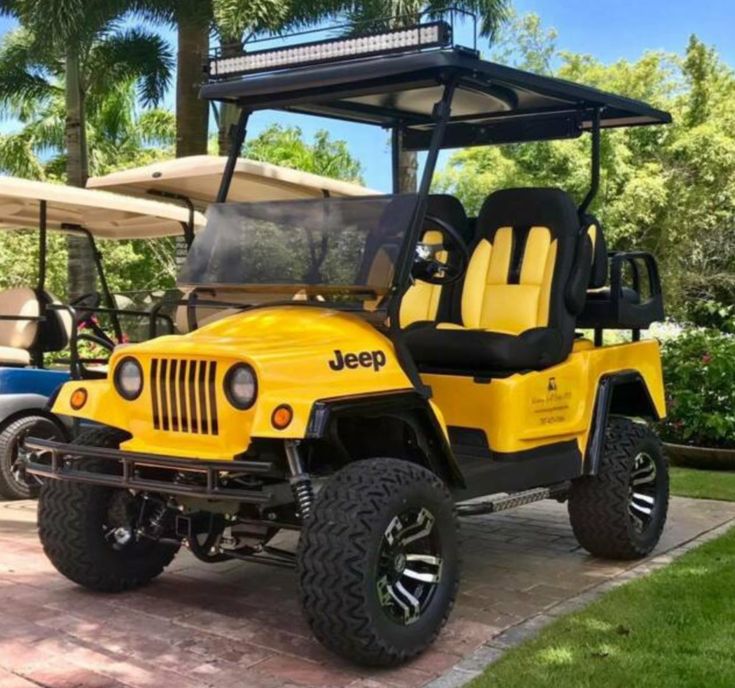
x: 85, y: 305
x: 427, y: 268
x: 102, y: 343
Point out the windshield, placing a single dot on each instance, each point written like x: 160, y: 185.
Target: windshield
x: 330, y: 248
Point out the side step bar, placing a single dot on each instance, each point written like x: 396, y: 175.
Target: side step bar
x: 513, y: 500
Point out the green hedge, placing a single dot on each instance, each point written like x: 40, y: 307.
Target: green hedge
x: 699, y: 374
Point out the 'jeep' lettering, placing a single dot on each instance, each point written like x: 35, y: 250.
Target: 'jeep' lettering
x: 363, y: 359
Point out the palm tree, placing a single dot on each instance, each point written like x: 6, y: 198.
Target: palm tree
x: 229, y: 20
x: 234, y: 19
x: 82, y: 45
x: 491, y: 14
x: 193, y: 22
x: 118, y: 132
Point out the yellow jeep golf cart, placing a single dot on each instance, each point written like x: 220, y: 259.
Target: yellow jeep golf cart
x: 412, y: 365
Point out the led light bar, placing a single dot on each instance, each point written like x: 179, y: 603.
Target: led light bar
x: 420, y: 37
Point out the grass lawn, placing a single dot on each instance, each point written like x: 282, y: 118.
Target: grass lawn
x: 673, y: 628
x: 691, y: 482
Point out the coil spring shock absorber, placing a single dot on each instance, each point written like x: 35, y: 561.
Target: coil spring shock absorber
x: 301, y: 486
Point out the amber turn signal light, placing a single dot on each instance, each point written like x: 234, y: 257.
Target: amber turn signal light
x: 282, y: 416
x: 78, y: 398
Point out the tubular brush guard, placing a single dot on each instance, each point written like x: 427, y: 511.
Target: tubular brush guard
x: 59, y: 461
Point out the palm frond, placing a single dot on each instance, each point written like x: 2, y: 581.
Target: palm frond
x: 134, y: 54
x: 491, y: 14
x: 380, y: 14
x: 25, y: 75
x: 157, y: 127
x: 233, y: 18
x: 10, y: 8
x: 173, y: 11
x: 65, y: 22
x: 17, y: 157
x: 46, y: 131
x: 112, y: 113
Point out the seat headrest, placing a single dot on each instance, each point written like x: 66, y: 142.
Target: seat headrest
x: 529, y: 207
x: 21, y: 301
x: 54, y: 332
x: 450, y: 210
x: 598, y: 274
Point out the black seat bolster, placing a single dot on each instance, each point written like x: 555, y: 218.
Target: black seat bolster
x: 598, y: 272
x: 481, y: 350
x: 51, y: 334
x: 579, y: 278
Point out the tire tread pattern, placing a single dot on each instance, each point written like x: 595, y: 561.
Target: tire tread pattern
x: 333, y: 551
x: 8, y: 437
x: 598, y: 504
x: 70, y: 531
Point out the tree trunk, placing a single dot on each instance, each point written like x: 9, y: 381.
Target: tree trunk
x: 228, y: 117
x: 80, y: 271
x: 228, y: 113
x: 192, y: 113
x: 407, y: 170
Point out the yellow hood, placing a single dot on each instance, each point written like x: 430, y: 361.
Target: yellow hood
x: 300, y: 354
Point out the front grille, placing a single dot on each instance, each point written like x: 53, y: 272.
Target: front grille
x: 183, y: 395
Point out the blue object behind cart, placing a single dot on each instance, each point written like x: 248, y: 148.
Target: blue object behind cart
x: 27, y: 389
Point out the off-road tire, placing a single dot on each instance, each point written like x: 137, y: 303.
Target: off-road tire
x: 598, y: 505
x: 70, y: 520
x: 338, y: 553
x: 10, y: 438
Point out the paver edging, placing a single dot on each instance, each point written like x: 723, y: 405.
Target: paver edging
x: 490, y: 652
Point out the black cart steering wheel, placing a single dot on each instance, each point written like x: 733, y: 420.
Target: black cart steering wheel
x: 426, y: 266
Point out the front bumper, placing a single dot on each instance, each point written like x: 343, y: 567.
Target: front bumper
x: 146, y: 472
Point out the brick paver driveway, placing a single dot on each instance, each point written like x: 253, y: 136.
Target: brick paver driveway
x: 236, y: 624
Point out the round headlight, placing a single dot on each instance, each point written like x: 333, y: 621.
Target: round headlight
x: 241, y: 386
x: 129, y: 378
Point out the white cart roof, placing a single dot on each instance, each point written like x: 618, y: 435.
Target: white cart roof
x: 198, y: 178
x: 105, y: 215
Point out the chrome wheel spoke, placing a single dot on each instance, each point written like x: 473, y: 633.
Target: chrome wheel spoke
x: 645, y: 475
x: 642, y: 491
x: 637, y: 521
x: 424, y: 558
x: 419, y: 576
x: 427, y: 569
x: 410, y: 605
x: 640, y: 508
x: 409, y: 565
x: 420, y: 529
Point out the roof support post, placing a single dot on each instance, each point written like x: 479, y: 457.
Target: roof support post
x: 395, y: 151
x: 187, y: 227
x: 441, y: 115
x: 36, y: 350
x: 105, y: 288
x: 104, y: 285
x: 596, y: 162
x: 238, y: 138
x: 42, y: 245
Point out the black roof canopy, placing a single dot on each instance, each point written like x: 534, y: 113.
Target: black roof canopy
x: 492, y: 103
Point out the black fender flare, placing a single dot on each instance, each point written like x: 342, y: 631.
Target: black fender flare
x: 624, y: 393
x: 406, y: 405
x: 14, y: 406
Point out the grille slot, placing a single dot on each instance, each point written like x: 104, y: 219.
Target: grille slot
x: 183, y: 395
